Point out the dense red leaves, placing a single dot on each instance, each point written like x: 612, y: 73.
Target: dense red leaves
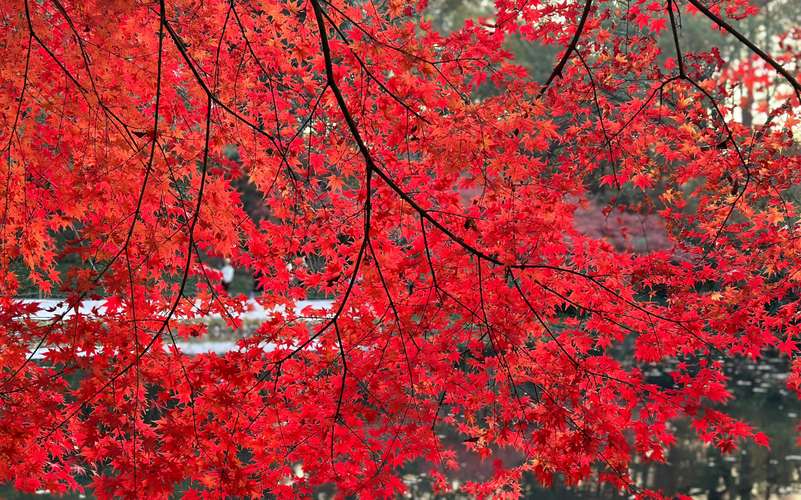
x: 428, y: 184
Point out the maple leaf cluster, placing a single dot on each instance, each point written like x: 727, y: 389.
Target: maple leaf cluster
x: 438, y: 191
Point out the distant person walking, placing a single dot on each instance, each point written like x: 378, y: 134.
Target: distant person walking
x: 227, y: 274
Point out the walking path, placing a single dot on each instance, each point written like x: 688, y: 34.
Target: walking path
x: 50, y: 309
x: 53, y: 308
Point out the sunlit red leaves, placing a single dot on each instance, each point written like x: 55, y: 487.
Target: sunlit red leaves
x: 444, y: 329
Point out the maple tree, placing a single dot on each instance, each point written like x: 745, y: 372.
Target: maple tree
x: 443, y: 220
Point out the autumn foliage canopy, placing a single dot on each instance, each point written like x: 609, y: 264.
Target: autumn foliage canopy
x: 438, y: 190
